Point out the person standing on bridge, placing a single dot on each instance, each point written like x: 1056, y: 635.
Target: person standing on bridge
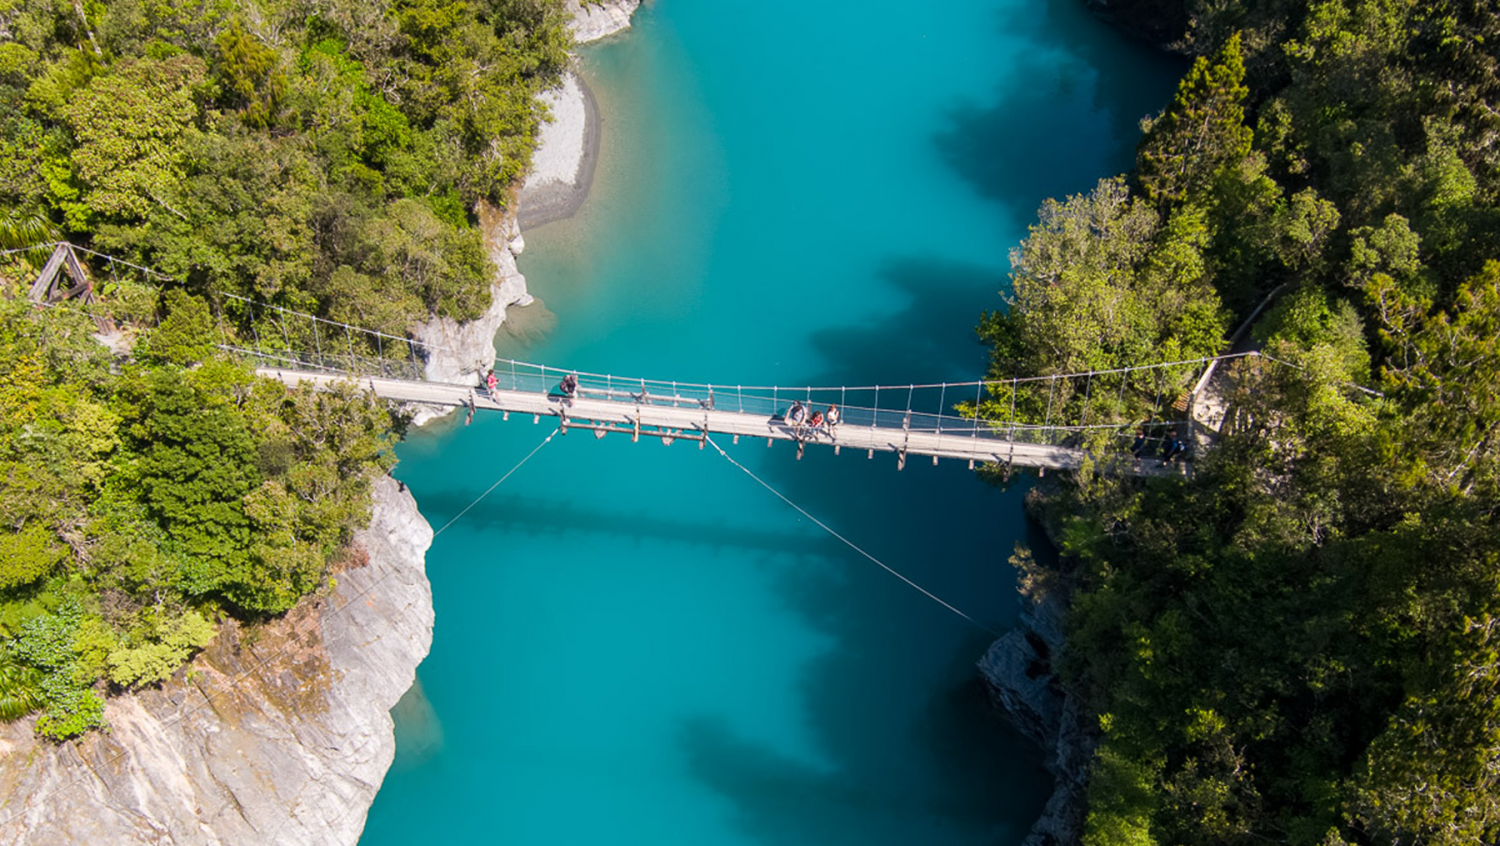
x: 569, y: 387
x: 831, y: 419
x: 492, y: 385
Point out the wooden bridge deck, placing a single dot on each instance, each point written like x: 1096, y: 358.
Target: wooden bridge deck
x: 672, y: 422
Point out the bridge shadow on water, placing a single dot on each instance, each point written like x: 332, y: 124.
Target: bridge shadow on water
x: 886, y: 777
x: 1041, y: 132
x: 531, y: 516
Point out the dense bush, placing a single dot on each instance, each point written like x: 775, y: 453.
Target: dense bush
x: 136, y: 507
x: 1298, y: 643
x: 323, y: 155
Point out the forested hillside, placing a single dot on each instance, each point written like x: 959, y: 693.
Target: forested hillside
x: 1301, y: 642
x: 320, y: 155
x: 323, y: 155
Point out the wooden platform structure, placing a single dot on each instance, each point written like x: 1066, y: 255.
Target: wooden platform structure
x: 62, y: 264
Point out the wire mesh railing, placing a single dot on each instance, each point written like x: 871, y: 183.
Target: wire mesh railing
x: 409, y: 370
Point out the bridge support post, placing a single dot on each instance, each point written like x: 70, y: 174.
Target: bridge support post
x: 900, y: 461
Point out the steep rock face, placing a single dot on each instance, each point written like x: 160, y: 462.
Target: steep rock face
x: 277, y: 735
x: 596, y: 21
x: 460, y: 352
x: 282, y: 734
x: 1017, y: 670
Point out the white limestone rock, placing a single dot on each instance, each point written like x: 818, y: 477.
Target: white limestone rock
x: 460, y: 352
x: 283, y: 740
x: 593, y: 21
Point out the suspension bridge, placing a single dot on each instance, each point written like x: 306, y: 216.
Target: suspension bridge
x: 934, y: 421
x: 907, y: 421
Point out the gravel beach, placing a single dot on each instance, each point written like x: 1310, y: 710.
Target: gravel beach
x: 567, y: 151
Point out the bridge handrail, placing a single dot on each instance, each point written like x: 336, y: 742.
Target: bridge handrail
x: 789, y: 390
x: 770, y: 403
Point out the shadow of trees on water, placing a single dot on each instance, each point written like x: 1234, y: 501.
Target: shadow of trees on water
x: 911, y: 750
x: 1070, y: 107
x: 932, y: 336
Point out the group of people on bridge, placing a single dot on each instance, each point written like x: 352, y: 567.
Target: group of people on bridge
x: 806, y: 423
x: 568, y: 386
x: 1172, y: 445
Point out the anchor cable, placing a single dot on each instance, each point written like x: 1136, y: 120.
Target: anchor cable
x: 825, y: 527
x: 507, y: 475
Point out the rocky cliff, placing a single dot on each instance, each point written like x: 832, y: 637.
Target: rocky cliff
x: 1018, y: 673
x: 592, y: 21
x: 461, y: 352
x: 275, y: 734
x: 1017, y: 670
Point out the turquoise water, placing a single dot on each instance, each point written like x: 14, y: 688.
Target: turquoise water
x: 635, y: 643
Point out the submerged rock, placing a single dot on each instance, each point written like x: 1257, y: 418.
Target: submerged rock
x: 277, y: 734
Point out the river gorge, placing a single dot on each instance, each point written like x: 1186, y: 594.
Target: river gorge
x: 634, y: 642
